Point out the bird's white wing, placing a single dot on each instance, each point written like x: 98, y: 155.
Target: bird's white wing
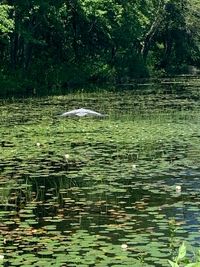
x: 81, y: 112
x: 91, y: 112
x: 70, y: 113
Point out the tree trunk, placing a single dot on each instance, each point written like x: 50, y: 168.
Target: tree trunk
x: 167, y: 52
x: 27, y: 55
x: 14, y: 50
x: 148, y: 39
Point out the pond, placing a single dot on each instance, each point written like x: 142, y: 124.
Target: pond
x: 118, y: 191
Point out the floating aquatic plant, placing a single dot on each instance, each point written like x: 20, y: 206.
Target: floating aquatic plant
x: 122, y: 191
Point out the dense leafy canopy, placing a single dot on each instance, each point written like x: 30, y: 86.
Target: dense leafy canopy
x: 53, y: 44
x: 6, y: 23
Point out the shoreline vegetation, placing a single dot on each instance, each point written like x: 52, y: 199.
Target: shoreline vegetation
x: 140, y: 84
x: 48, y: 47
x: 123, y: 190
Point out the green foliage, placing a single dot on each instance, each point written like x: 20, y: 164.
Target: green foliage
x: 89, y: 192
x: 181, y: 258
x: 193, y: 25
x: 51, y: 43
x: 6, y: 23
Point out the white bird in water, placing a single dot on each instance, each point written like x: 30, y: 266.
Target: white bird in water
x: 81, y: 112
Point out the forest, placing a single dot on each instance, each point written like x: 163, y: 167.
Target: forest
x: 100, y: 133
x: 50, y: 45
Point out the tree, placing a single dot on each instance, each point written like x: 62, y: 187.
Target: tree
x: 193, y: 25
x: 171, y: 37
x: 6, y: 23
x: 51, y: 44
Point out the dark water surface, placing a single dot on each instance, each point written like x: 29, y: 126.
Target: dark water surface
x: 118, y: 191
